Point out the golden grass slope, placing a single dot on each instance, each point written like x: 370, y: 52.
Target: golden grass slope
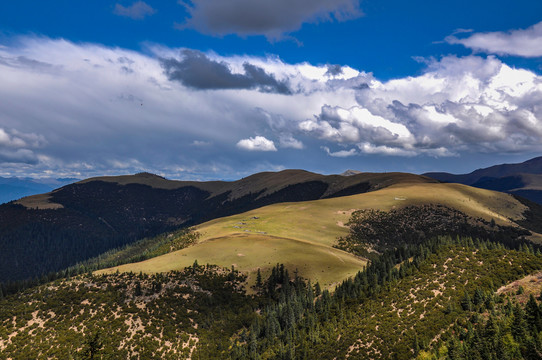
x: 301, y: 235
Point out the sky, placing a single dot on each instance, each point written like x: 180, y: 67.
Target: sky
x: 221, y: 89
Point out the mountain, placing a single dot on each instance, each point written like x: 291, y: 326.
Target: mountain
x: 15, y: 188
x: 406, y: 267
x: 73, y: 223
x: 533, y: 166
x: 523, y: 179
x: 303, y: 235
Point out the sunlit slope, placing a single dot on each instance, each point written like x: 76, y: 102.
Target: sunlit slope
x: 248, y: 252
x: 301, y: 235
x: 321, y: 221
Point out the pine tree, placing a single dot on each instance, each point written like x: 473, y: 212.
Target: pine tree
x: 466, y: 302
x: 478, y: 296
x: 416, y: 345
x: 533, y: 316
x: 92, y: 346
x: 137, y: 290
x: 317, y: 289
x: 518, y: 327
x: 259, y: 279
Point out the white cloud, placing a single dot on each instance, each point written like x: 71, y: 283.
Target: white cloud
x: 288, y: 141
x: 457, y: 105
x: 368, y: 148
x: 94, y: 103
x: 340, y: 153
x: 521, y: 42
x: 257, y: 143
x: 136, y: 11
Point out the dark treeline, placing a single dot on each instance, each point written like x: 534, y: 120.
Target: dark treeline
x: 383, y: 230
x: 134, y: 252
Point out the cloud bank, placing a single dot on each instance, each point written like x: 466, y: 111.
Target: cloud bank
x: 458, y: 105
x: 85, y: 109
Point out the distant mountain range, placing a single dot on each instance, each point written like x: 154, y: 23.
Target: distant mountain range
x: 523, y: 179
x: 16, y: 188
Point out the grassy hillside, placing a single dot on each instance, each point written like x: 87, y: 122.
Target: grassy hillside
x: 80, y: 221
x: 302, y: 235
x: 263, y: 184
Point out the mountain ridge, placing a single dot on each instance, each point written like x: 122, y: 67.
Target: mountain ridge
x: 523, y: 179
x: 82, y: 220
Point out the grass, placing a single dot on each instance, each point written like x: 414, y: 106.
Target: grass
x: 41, y: 202
x: 248, y: 252
x: 301, y: 235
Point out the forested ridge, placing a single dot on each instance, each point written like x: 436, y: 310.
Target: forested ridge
x: 370, y: 316
x: 424, y: 295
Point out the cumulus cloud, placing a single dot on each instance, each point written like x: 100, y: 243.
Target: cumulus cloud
x: 354, y: 125
x: 197, y: 71
x: 18, y: 156
x: 459, y: 104
x: 521, y: 42
x: 262, y: 17
x: 93, y: 103
x: 137, y: 11
x: 257, y: 143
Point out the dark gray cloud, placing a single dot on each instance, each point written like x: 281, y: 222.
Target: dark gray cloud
x: 136, y: 11
x: 264, y: 17
x: 20, y: 156
x: 197, y: 71
x: 334, y: 70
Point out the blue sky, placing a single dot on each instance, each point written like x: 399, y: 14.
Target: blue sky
x: 209, y: 89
